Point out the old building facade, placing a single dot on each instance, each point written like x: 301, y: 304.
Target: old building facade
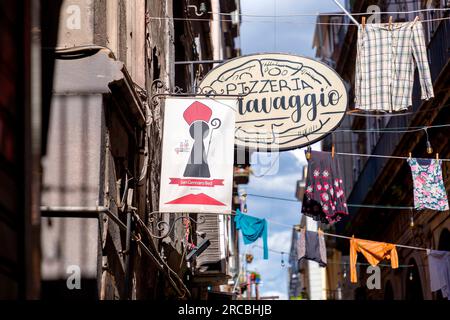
x: 388, y: 181
x: 99, y: 191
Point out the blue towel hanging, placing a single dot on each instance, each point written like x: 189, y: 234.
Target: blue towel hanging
x: 252, y: 228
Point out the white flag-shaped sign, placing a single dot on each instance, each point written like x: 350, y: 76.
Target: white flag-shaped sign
x: 198, y: 155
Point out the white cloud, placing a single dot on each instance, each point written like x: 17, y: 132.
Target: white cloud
x: 280, y: 241
x: 285, y: 184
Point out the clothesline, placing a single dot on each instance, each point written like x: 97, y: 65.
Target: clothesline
x: 330, y: 14
x: 349, y: 238
x: 387, y: 130
x: 397, y: 245
x: 269, y: 220
x: 393, y: 130
x: 278, y: 21
x: 379, y: 156
x: 349, y: 205
x: 333, y: 235
x: 370, y: 114
x: 338, y: 263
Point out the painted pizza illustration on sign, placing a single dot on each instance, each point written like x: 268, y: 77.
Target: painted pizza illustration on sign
x: 288, y: 101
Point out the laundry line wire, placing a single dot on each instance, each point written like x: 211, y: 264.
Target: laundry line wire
x: 397, y: 245
x: 369, y: 113
x: 333, y: 235
x: 378, y: 156
x: 233, y: 213
x: 384, y: 130
x: 278, y: 21
x: 329, y: 14
x: 394, y: 130
x: 337, y: 263
x: 344, y: 237
x: 295, y: 226
x: 348, y: 205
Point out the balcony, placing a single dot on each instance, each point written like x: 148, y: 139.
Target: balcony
x: 388, y: 143
x: 241, y: 175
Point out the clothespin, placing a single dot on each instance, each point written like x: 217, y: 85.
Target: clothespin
x: 308, y: 153
x: 390, y: 23
x: 415, y: 21
x: 437, y: 156
x: 332, y: 151
x: 410, y: 155
x: 363, y: 23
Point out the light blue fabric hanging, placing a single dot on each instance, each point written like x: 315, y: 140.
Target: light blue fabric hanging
x: 252, y: 228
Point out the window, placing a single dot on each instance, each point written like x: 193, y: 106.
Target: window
x: 431, y: 26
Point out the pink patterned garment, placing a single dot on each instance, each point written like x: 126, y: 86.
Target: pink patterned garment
x: 429, y: 189
x: 324, y: 198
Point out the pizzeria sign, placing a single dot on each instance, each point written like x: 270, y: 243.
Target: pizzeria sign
x: 288, y: 101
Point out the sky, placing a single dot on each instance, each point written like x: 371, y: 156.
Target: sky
x: 296, y: 38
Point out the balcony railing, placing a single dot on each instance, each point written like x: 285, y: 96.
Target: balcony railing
x: 439, y: 55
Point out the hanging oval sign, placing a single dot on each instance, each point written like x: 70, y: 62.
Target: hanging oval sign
x: 288, y: 101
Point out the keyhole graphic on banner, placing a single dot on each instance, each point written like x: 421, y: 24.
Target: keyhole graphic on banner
x: 197, y: 116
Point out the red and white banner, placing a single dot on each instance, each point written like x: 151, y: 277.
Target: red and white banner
x: 198, y: 155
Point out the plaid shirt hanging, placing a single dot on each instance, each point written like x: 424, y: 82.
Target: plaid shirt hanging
x: 385, y: 64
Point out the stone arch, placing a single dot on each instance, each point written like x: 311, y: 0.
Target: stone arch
x: 444, y: 245
x: 444, y: 240
x: 388, y: 291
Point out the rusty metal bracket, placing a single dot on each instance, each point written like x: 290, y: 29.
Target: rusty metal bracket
x: 163, y: 225
x: 160, y: 90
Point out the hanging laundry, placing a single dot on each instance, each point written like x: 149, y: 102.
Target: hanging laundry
x: 324, y: 198
x: 429, y: 189
x: 252, y: 228
x: 311, y: 246
x: 385, y: 63
x: 293, y: 254
x: 374, y: 253
x: 439, y: 267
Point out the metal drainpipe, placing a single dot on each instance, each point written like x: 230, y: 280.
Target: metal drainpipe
x: 126, y: 289
x: 216, y: 32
